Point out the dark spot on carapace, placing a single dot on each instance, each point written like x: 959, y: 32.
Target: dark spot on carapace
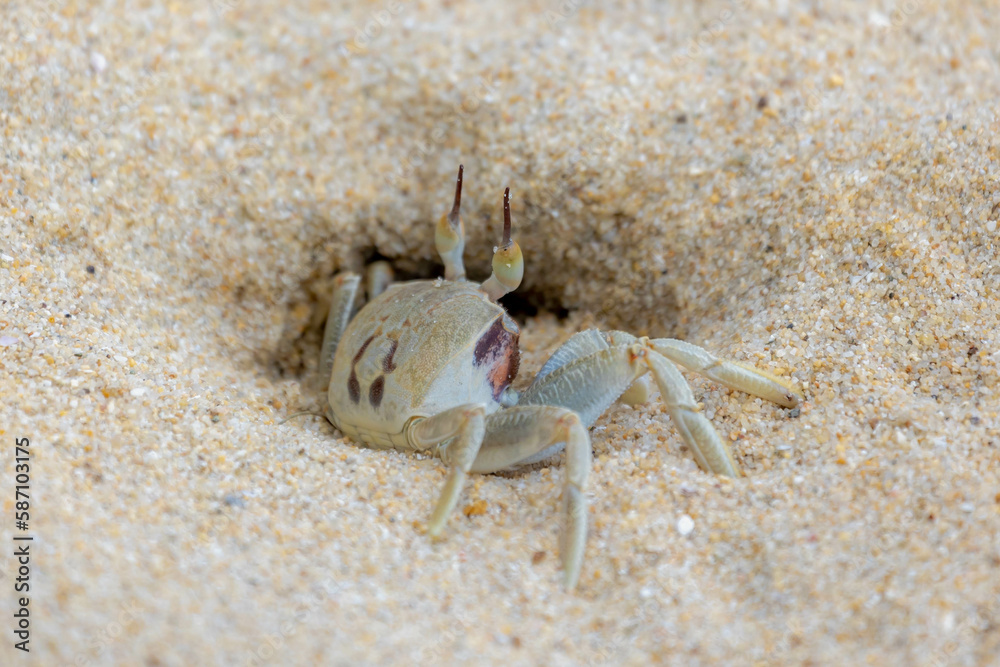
x: 493, y: 338
x: 361, y: 352
x: 376, y: 390
x: 498, y: 349
x: 354, y: 387
x: 388, y: 365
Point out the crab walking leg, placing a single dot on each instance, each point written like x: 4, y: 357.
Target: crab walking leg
x: 455, y: 435
x: 637, y: 393
x: 342, y: 307
x: 578, y: 345
x: 730, y: 373
x: 587, y: 342
x: 588, y: 385
x: 524, y: 434
x: 709, y: 450
x: 378, y: 277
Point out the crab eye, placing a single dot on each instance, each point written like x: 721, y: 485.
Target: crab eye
x: 508, y: 264
x: 449, y: 231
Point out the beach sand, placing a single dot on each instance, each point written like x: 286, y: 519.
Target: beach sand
x: 810, y: 190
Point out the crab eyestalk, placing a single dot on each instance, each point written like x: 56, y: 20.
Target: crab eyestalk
x: 449, y: 236
x: 508, y: 264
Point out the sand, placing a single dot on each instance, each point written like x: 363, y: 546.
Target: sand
x: 810, y: 189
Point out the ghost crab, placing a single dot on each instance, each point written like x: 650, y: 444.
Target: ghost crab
x: 427, y: 365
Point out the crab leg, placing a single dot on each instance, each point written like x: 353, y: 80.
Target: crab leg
x: 455, y: 436
x: 378, y: 277
x: 586, y: 342
x: 588, y: 385
x: 578, y: 345
x: 709, y: 450
x: 730, y: 373
x: 342, y: 307
x: 589, y: 381
x: 637, y: 393
x: 530, y: 433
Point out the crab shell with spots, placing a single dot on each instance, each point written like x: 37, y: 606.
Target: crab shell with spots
x: 416, y: 350
x: 426, y: 365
